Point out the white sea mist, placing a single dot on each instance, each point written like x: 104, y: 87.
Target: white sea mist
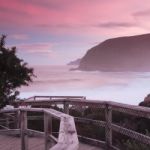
x: 125, y: 87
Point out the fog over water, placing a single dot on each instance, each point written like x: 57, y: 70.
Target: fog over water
x: 124, y: 87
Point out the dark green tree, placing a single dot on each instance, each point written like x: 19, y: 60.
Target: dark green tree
x: 14, y: 73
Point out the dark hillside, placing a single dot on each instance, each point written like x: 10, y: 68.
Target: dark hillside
x: 119, y: 54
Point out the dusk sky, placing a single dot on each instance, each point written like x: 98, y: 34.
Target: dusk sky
x: 49, y: 32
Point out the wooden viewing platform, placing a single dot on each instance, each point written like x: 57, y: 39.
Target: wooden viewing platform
x: 26, y: 139
x: 67, y: 136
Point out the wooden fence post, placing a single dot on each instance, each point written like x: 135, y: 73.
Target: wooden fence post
x: 24, y: 136
x: 66, y: 107
x: 47, y: 130
x: 17, y: 119
x: 108, y: 128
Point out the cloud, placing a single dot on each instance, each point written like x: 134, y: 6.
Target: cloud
x: 54, y: 5
x: 115, y: 25
x: 66, y: 17
x: 57, y: 81
x: 36, y: 48
x: 142, y: 18
x: 142, y: 13
x: 19, y: 36
x: 11, y: 10
x: 55, y: 25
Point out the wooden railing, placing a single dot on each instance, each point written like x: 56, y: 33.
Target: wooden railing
x: 108, y: 107
x: 36, y: 98
x: 67, y: 136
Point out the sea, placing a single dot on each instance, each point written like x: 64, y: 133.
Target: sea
x: 59, y: 80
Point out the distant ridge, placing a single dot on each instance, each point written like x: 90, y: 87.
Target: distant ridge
x: 131, y: 53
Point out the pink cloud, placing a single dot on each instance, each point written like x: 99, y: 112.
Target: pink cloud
x: 19, y: 36
x: 36, y: 48
x: 70, y: 16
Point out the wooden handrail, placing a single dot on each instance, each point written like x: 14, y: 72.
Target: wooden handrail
x: 54, y: 97
x: 119, y: 107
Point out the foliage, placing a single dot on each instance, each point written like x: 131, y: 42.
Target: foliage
x: 131, y: 145
x: 14, y: 73
x: 134, y: 145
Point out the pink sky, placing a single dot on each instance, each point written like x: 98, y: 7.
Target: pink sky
x: 58, y: 31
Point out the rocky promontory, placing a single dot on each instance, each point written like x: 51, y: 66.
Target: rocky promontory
x: 119, y: 54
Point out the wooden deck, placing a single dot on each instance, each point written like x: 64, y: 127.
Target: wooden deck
x: 35, y: 143
x: 14, y: 143
x: 88, y: 147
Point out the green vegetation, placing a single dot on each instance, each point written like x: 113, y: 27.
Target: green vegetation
x: 14, y: 73
x: 130, y: 144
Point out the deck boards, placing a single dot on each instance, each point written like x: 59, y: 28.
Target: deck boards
x: 35, y: 143
x: 14, y: 143
x: 88, y: 147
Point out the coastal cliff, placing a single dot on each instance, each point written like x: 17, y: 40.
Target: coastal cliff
x: 119, y: 54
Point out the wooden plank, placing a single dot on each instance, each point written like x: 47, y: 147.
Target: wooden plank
x: 66, y: 107
x: 33, y: 109
x: 49, y: 98
x: 13, y: 143
x: 83, y: 146
x: 35, y: 118
x: 53, y: 138
x: 9, y: 110
x: 7, y: 122
x: 10, y: 131
x: 24, y: 137
x: 47, y: 129
x: 91, y: 141
x: 53, y: 113
x: 61, y: 97
x: 138, y: 111
x: 10, y: 115
x: 18, y: 120
x: 90, y: 121
x: 5, y: 127
x: 35, y: 143
x: 108, y: 128
x: 35, y: 133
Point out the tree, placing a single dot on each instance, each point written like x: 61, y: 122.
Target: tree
x: 14, y: 73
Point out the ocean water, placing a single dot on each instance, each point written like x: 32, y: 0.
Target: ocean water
x: 124, y: 87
